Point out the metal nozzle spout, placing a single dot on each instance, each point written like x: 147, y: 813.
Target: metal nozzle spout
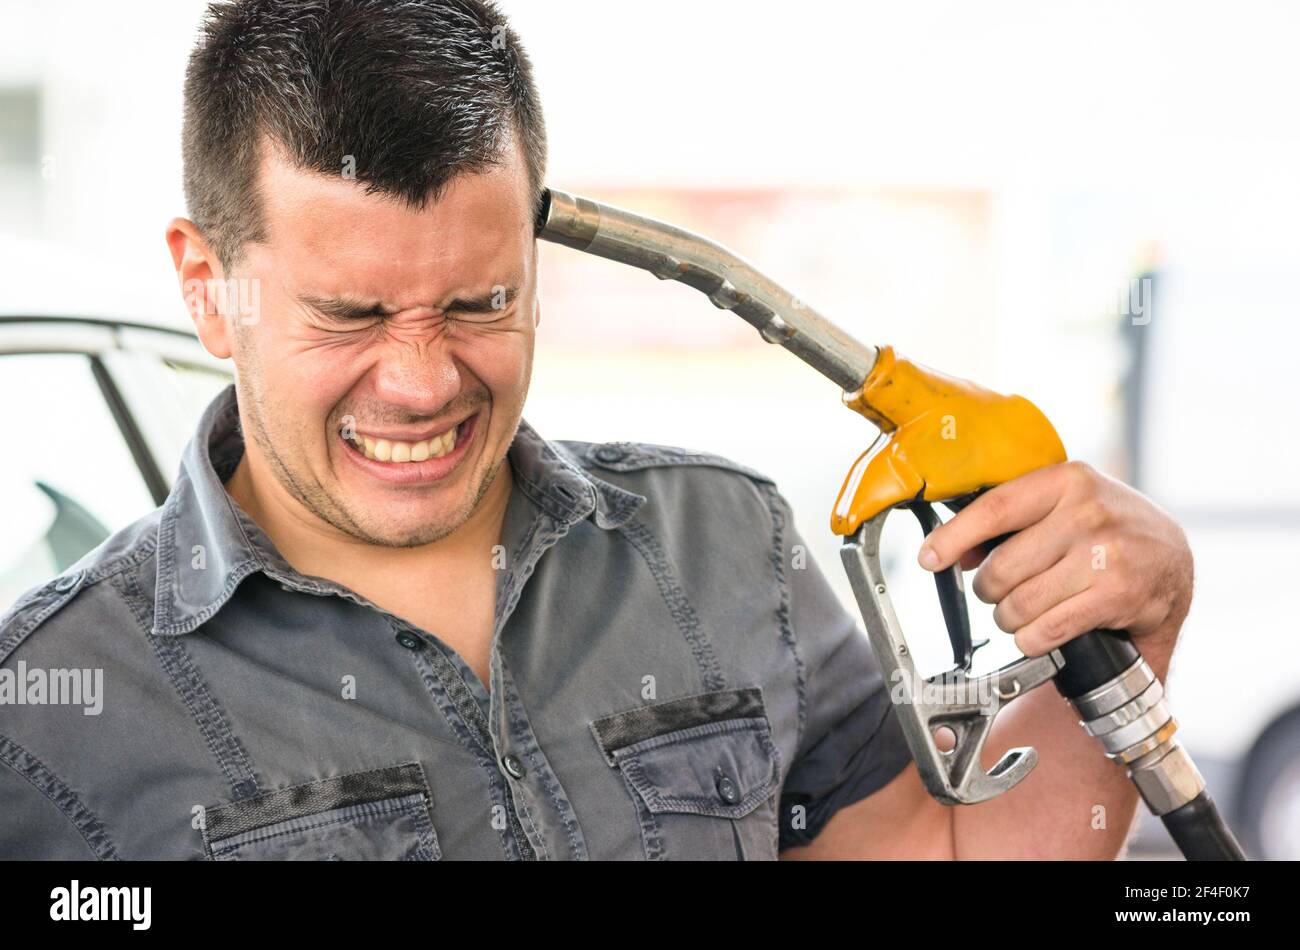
x: 729, y: 281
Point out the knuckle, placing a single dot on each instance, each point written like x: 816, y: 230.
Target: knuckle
x: 1135, y: 590
x: 1108, y: 569
x: 987, y: 582
x: 1080, y: 474
x: 1021, y: 600
x: 1090, y: 515
x: 1067, y: 624
x: 1076, y: 480
x: 1043, y: 635
x: 996, y: 507
x: 1010, y: 612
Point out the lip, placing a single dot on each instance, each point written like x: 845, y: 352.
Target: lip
x: 415, y: 473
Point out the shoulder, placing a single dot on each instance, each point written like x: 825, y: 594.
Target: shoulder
x: 648, y: 462
x: 686, y: 490
x: 89, y: 595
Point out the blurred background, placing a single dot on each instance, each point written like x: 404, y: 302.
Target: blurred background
x: 1091, y: 204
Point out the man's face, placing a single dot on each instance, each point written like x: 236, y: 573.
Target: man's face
x: 384, y: 377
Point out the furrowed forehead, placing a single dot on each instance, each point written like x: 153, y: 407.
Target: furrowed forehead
x: 478, y: 230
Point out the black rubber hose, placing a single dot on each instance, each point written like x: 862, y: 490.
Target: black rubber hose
x: 1093, y: 660
x: 1199, y: 831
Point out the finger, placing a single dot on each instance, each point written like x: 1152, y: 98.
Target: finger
x: 1071, y: 618
x: 1022, y: 556
x: 1037, y: 595
x: 974, y: 558
x: 1009, y: 507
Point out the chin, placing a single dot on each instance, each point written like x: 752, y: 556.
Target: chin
x: 408, y: 535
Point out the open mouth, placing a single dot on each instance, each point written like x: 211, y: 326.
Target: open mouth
x: 410, y: 460
x: 395, y: 450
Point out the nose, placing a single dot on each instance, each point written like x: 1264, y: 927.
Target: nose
x: 420, y: 379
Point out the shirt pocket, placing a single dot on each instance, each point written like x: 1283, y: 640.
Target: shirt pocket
x: 702, y: 773
x: 376, y: 815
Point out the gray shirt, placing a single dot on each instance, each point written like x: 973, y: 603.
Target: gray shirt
x: 671, y: 677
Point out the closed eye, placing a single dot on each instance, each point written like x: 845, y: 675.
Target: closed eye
x: 497, y: 301
x: 496, y: 304
x: 345, y: 308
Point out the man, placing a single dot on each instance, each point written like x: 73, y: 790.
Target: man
x: 380, y: 616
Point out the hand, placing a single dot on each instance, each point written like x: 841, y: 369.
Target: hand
x: 1089, y: 553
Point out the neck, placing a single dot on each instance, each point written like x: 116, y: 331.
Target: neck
x: 316, y: 548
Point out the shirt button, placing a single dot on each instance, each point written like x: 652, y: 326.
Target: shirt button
x: 514, y: 768
x: 727, y: 790
x: 607, y: 453
x: 65, y: 584
x: 409, y: 641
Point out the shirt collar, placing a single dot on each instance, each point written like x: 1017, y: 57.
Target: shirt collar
x: 207, y: 544
x: 550, y: 475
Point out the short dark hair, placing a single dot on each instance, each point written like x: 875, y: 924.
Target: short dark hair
x: 416, y: 91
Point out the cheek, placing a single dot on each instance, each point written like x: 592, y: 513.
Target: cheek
x: 307, y: 381
x: 502, y: 364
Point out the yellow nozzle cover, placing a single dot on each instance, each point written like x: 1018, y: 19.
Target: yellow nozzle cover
x: 941, y: 437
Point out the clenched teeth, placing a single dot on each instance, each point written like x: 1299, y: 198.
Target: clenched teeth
x: 390, y: 450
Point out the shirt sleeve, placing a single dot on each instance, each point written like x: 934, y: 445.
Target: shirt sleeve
x: 852, y: 743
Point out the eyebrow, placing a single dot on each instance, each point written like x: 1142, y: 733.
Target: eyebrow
x: 355, y: 308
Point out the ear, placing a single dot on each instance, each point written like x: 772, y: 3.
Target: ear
x: 199, y: 271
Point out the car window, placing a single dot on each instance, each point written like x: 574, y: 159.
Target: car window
x: 165, y: 398
x: 67, y: 476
